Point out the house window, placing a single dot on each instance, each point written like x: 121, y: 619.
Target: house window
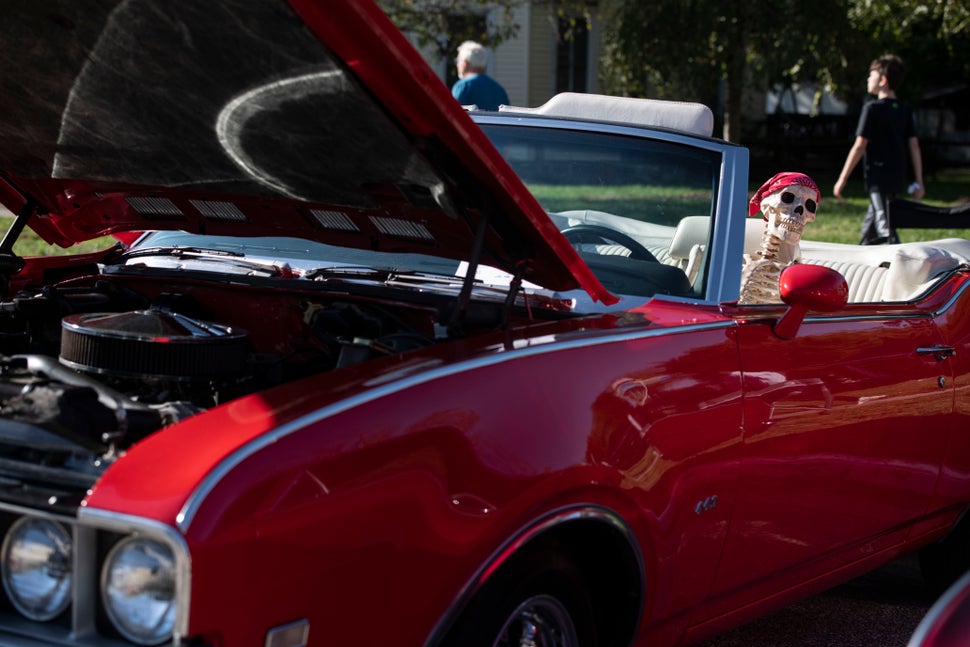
x: 572, y: 56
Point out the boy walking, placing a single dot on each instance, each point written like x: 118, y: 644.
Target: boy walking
x: 885, y: 139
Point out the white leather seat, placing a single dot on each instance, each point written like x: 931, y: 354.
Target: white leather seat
x: 688, y: 244
x: 866, y: 282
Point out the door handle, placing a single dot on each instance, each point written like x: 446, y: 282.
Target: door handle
x: 939, y: 351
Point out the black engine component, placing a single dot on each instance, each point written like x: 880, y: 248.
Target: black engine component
x: 88, y: 370
x: 152, y: 343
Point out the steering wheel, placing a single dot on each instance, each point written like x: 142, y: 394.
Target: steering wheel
x: 577, y: 233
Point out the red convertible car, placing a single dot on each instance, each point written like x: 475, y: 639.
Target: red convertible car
x: 381, y: 371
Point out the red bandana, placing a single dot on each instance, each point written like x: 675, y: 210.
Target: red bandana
x: 780, y: 181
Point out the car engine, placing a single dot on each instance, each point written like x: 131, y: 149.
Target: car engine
x: 89, y: 367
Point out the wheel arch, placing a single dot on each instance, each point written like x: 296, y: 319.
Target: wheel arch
x: 602, y: 547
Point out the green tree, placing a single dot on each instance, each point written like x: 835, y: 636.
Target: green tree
x: 898, y: 20
x: 445, y: 24
x: 933, y: 38
x: 714, y: 51
x: 710, y: 50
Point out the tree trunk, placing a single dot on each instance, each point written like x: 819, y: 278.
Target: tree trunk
x: 734, y: 64
x: 732, y: 108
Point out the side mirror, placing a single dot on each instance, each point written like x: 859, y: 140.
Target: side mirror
x: 805, y: 287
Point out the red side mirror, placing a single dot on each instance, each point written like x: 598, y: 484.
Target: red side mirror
x: 805, y: 287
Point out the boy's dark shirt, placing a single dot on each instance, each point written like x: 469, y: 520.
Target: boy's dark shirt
x: 888, y: 125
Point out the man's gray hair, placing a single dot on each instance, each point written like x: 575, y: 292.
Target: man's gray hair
x: 475, y: 54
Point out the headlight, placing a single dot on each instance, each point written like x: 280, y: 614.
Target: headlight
x: 37, y: 567
x: 138, y: 589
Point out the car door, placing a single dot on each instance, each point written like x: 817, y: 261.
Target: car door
x: 844, y: 434
x: 953, y: 488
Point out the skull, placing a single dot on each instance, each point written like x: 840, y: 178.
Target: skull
x: 788, y: 210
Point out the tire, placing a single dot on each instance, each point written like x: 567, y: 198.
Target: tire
x: 539, y: 601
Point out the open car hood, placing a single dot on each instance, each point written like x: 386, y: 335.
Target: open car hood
x: 310, y: 118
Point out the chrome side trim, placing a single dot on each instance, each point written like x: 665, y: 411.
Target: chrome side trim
x: 129, y: 524
x: 865, y: 317
x: 523, y: 536
x: 950, y: 303
x: 932, y: 314
x: 380, y: 390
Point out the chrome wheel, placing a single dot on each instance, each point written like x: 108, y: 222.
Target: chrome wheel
x: 540, y: 621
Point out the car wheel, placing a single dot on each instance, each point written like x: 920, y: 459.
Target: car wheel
x: 544, y: 606
x: 539, y: 620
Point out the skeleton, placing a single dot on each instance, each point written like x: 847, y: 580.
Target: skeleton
x: 788, y: 202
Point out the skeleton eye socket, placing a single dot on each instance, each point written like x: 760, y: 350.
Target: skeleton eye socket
x: 788, y: 197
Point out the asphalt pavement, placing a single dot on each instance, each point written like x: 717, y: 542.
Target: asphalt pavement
x: 880, y: 609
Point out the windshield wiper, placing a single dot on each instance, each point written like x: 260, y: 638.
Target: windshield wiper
x: 386, y: 276
x: 236, y: 259
x: 179, y: 250
x: 349, y: 272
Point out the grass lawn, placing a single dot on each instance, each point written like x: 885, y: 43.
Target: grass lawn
x: 29, y: 244
x: 837, y: 221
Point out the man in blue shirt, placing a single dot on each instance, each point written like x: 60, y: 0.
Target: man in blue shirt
x: 474, y: 87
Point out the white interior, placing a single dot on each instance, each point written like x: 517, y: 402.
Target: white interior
x: 874, y: 273
x: 878, y: 272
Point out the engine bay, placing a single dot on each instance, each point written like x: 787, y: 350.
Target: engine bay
x: 93, y: 364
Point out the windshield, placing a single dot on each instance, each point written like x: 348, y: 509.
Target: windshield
x: 638, y: 211
x: 645, y: 180
x: 621, y: 200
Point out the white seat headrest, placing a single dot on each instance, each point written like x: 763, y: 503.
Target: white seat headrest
x: 694, y: 118
x: 691, y: 230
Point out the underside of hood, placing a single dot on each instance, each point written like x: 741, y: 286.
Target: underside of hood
x: 311, y: 119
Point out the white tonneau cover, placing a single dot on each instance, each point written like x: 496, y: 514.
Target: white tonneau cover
x: 693, y: 118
